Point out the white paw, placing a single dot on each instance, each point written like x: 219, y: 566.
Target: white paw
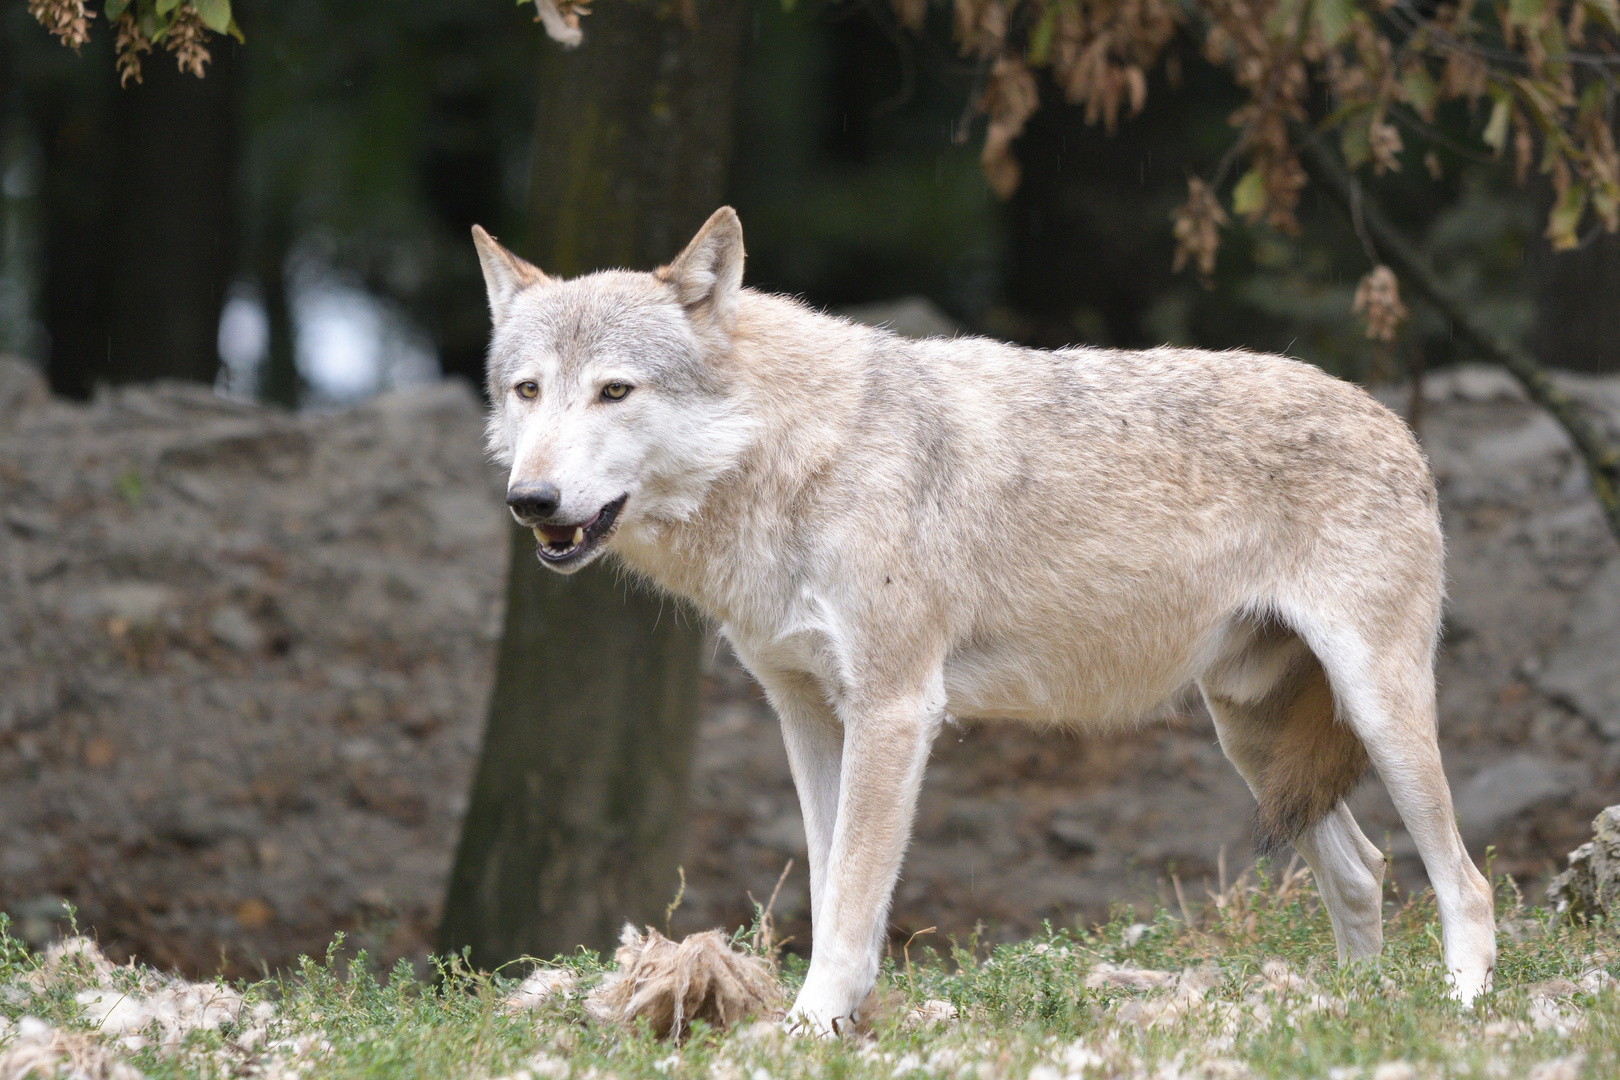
x: 822, y: 1013
x: 1467, y: 985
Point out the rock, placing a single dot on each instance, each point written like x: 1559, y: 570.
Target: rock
x: 1473, y: 383
x: 1592, y: 882
x: 22, y: 387
x: 1498, y: 793
x: 1073, y: 834
x: 42, y: 919
x: 1584, y: 672
x: 127, y: 603
x: 232, y: 626
x: 193, y: 821
x: 30, y: 523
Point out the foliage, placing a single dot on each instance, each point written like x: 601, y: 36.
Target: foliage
x: 180, y: 26
x: 1244, y: 987
x: 1534, y: 75
x: 1365, y: 69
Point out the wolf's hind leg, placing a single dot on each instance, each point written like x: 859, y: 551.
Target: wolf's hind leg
x: 1274, y: 715
x: 1349, y: 873
x: 1389, y: 699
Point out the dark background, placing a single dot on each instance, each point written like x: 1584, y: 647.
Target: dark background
x: 353, y: 144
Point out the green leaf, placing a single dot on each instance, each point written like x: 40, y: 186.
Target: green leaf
x: 1420, y: 90
x: 1592, y: 98
x: 215, y: 14
x: 1249, y: 195
x: 1343, y: 113
x: 1606, y: 200
x: 1606, y: 10
x: 1565, y: 217
x: 153, y: 25
x: 236, y: 32
x: 164, y: 7
x: 1333, y: 19
x: 1525, y: 12
x: 115, y: 9
x: 1281, y: 22
x: 1496, y: 130
x: 1040, y: 40
x: 1355, y: 144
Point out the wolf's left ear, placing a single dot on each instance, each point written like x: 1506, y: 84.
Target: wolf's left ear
x: 505, y: 275
x: 708, y: 274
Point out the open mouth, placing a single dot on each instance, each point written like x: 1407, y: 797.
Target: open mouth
x: 566, y: 543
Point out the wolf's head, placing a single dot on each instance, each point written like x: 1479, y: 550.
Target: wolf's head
x: 610, y: 396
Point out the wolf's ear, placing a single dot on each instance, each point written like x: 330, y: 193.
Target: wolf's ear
x: 505, y: 275
x: 708, y: 274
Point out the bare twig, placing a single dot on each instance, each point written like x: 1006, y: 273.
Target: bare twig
x: 1602, y: 459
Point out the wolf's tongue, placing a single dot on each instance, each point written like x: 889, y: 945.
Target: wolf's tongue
x: 560, y: 534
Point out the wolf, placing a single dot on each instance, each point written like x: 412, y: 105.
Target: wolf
x: 892, y: 533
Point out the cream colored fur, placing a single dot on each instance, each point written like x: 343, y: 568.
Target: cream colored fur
x: 893, y: 532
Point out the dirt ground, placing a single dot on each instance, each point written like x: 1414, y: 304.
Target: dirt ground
x: 244, y: 657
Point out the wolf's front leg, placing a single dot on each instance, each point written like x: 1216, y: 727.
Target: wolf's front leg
x: 815, y: 748
x: 885, y: 749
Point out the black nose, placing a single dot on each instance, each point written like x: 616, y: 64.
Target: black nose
x: 534, y: 500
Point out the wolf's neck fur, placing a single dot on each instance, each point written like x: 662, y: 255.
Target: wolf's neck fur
x: 796, y: 373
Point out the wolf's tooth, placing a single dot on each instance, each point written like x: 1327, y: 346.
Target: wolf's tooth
x: 579, y: 535
x: 539, y: 534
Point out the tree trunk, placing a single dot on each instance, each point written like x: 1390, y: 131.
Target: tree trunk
x: 140, y: 224
x: 280, y: 382
x: 577, y: 808
x: 174, y: 224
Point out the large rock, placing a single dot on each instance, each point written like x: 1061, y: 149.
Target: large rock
x: 1504, y: 789
x: 21, y: 386
x: 1584, y: 672
x: 1592, y: 882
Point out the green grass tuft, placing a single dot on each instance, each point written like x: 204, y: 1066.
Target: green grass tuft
x: 1249, y: 989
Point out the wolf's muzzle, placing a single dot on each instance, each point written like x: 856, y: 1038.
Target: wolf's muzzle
x: 533, y: 503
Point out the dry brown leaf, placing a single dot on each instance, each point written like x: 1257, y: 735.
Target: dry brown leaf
x: 185, y: 39
x: 1197, y: 227
x: 1010, y: 98
x: 67, y: 19
x: 1378, y: 302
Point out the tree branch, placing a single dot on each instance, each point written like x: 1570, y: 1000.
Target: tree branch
x: 1602, y: 459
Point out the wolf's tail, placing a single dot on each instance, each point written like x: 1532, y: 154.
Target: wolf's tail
x: 1315, y: 758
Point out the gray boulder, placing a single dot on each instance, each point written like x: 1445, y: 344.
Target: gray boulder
x: 1591, y: 885
x: 1584, y: 672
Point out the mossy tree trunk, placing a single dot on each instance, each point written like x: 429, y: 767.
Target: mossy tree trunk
x: 575, y: 820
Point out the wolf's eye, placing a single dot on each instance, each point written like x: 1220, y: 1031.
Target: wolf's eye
x: 615, y: 391
x: 528, y: 389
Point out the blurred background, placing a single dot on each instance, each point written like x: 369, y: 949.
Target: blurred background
x: 256, y: 576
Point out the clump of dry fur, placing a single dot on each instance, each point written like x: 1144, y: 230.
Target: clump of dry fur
x: 35, y: 1049
x: 671, y: 984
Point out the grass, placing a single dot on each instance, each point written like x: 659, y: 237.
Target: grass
x: 1247, y: 989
